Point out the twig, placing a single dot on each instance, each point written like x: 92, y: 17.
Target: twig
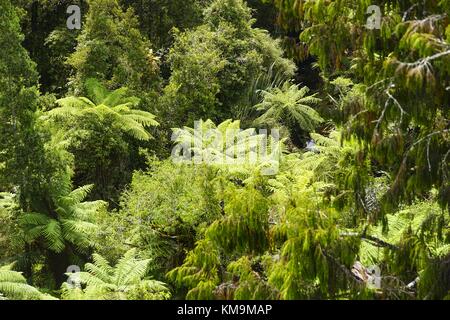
x: 429, y: 136
x: 407, y: 12
x: 386, y: 105
x: 402, y: 111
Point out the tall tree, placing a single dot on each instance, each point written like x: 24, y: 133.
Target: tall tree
x: 237, y: 54
x: 400, y: 113
x: 47, y: 47
x: 397, y: 108
x: 112, y: 49
x: 292, y: 107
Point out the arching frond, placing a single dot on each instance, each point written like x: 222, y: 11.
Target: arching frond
x: 73, y: 223
x: 143, y: 118
x: 102, y: 264
x: 75, y: 197
x: 53, y: 235
x: 75, y: 103
x: 14, y: 286
x: 116, y: 107
x: 135, y: 129
x: 92, y: 280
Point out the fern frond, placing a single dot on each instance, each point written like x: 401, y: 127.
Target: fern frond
x: 135, y: 129
x: 117, y: 97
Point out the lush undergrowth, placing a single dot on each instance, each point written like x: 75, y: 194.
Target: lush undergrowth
x: 224, y: 149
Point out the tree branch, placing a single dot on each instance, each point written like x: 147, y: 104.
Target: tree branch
x: 373, y: 240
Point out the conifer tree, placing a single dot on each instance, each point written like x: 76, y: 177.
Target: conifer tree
x: 400, y: 113
x: 279, y: 237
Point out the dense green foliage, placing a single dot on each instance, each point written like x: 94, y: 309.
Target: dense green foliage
x: 214, y: 65
x: 112, y: 49
x: 224, y: 149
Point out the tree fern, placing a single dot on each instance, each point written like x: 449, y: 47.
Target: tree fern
x: 14, y: 286
x: 127, y: 279
x: 116, y: 106
x: 70, y: 223
x: 279, y: 236
x: 289, y: 105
